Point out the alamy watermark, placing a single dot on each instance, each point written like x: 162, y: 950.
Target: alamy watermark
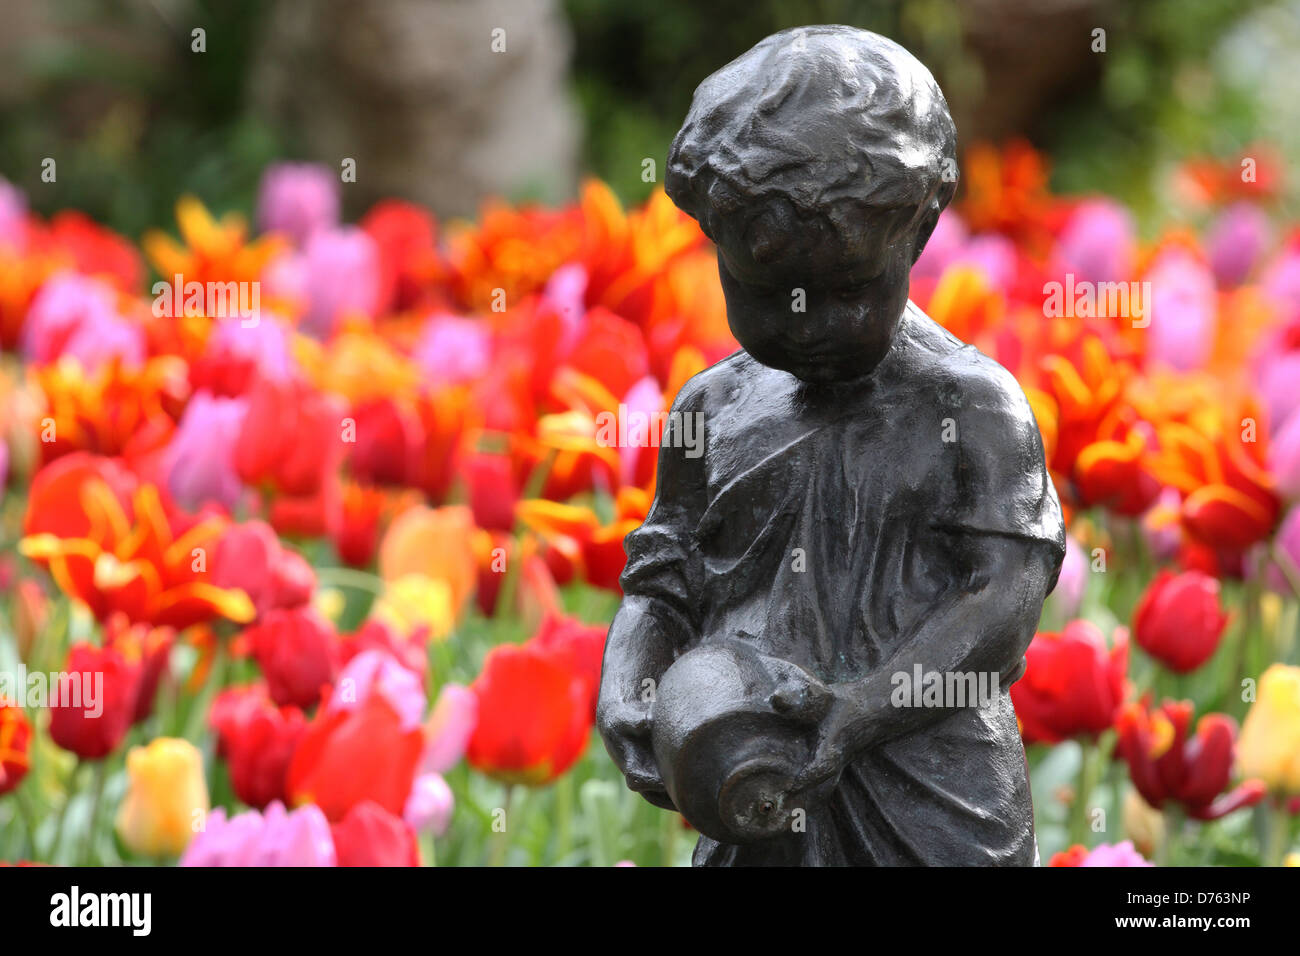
x: 922, y: 688
x: 216, y: 300
x: 1088, y: 300
x: 75, y: 689
x: 633, y: 428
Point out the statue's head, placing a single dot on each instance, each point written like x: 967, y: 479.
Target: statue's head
x: 818, y: 162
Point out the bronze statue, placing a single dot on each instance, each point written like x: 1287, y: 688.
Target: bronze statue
x: 871, y: 509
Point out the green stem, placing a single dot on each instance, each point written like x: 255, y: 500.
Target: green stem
x: 1279, y: 833
x: 96, y: 797
x: 1174, y: 819
x: 1083, y: 787
x: 62, y: 826
x: 502, y: 838
x: 198, y: 714
x: 352, y: 578
x: 564, y: 817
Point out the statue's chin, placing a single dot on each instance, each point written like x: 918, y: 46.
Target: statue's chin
x: 823, y: 371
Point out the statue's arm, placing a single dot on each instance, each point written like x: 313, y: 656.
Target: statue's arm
x: 658, y: 618
x: 982, y: 626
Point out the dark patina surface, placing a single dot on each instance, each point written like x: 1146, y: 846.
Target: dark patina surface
x: 871, y: 499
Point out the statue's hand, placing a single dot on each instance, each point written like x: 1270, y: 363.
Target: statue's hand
x: 832, y: 751
x: 625, y: 728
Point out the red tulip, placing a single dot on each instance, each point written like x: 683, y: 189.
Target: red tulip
x: 389, y: 443
x: 1073, y: 684
x: 1179, y: 620
x: 1167, y: 765
x: 349, y: 756
x: 379, y: 635
x: 258, y: 749
x: 579, y: 646
x: 232, y: 708
x: 250, y: 556
x: 15, y: 742
x: 408, y: 258
x: 291, y: 437
x: 152, y: 646
x: 354, y: 525
x: 93, y: 725
x: 298, y: 653
x: 371, y: 836
x: 534, y: 715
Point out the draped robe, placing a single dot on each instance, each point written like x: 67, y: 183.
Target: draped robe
x: 823, y: 524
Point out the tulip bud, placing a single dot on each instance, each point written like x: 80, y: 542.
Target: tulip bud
x: 1269, y: 746
x: 166, y: 798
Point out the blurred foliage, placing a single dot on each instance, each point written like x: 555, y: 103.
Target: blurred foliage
x: 1159, y: 102
x: 130, y: 132
x: 174, y: 121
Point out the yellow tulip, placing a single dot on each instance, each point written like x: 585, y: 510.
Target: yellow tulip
x: 166, y: 798
x: 437, y: 543
x: 1269, y: 746
x: 416, y: 601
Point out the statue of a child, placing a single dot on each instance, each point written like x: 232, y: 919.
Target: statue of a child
x: 871, y: 504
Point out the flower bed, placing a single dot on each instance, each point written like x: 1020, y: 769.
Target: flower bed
x: 324, y: 527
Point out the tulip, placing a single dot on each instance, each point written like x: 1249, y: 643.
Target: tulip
x: 258, y: 740
x: 534, y: 715
x: 347, y: 756
x: 408, y: 258
x: 415, y: 604
x: 236, y: 355
x: 67, y: 303
x: 343, y: 276
x: 436, y: 543
x: 112, y: 544
x: 380, y: 636
x: 298, y: 653
x: 271, y: 838
x: 1073, y: 579
x: 1098, y: 242
x: 250, y: 557
x: 166, y: 797
x: 290, y: 439
x: 1180, y: 620
x: 94, y: 725
x: 298, y: 199
x: 1182, y: 311
x: 152, y: 646
x: 453, y: 350
x: 389, y: 442
x: 200, y: 459
x: 579, y: 646
x: 429, y: 807
x: 1073, y: 684
x: 378, y: 672
x: 15, y: 745
x: 1236, y: 240
x: 232, y: 708
x: 1283, y: 571
x: 371, y: 836
x: 1168, y: 765
x: 448, y: 729
x: 13, y: 214
x: 1284, y: 458
x: 1119, y: 854
x: 354, y: 525
x: 1269, y: 746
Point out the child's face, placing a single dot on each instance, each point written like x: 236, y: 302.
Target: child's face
x: 825, y: 314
